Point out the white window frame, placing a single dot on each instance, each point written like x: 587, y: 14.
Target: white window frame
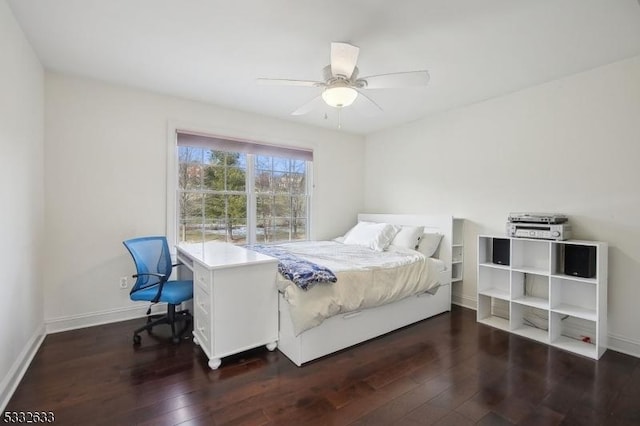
x: 173, y: 127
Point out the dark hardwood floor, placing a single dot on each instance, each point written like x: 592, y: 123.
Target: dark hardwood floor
x: 447, y: 370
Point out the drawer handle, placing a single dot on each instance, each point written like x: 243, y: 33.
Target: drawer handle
x: 351, y: 315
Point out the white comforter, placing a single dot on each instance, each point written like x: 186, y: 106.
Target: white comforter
x: 366, y: 279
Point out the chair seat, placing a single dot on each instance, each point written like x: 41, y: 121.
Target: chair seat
x: 173, y: 292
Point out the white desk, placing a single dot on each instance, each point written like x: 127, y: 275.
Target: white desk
x: 235, y: 299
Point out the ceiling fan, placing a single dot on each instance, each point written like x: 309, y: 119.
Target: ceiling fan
x: 341, y: 85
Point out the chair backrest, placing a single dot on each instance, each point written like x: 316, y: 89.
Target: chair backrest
x: 151, y: 255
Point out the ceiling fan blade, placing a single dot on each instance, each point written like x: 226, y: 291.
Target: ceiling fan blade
x: 287, y: 82
x: 366, y: 105
x: 344, y: 57
x: 314, y: 103
x: 396, y: 80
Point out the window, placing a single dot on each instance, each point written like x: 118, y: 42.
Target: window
x: 241, y: 192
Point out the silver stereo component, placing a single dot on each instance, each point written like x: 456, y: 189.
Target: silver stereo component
x: 543, y: 231
x: 549, y: 218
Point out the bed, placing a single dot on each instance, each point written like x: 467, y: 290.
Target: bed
x: 352, y: 322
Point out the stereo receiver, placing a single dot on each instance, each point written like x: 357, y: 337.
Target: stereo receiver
x: 561, y: 231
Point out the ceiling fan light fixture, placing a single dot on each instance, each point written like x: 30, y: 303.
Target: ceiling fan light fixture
x: 339, y: 96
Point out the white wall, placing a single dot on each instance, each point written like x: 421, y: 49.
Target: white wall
x: 21, y: 215
x: 570, y: 146
x: 105, y: 168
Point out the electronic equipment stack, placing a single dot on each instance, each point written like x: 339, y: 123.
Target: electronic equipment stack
x: 545, y: 226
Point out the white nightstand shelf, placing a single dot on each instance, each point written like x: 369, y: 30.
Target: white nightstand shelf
x: 457, y: 251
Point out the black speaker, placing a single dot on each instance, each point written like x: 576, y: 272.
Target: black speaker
x: 580, y: 261
x: 501, y: 251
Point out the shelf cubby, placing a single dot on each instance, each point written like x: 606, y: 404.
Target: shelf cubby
x: 530, y: 256
x: 530, y: 322
x: 575, y: 334
x: 493, y: 311
x: 456, y: 271
x: 494, y: 282
x: 530, y: 289
x: 574, y: 298
x: 485, y: 253
x: 559, y: 255
x: 456, y: 254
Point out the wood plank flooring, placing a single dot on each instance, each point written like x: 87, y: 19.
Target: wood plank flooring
x: 446, y: 370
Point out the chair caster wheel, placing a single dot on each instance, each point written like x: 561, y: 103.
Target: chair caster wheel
x: 136, y: 339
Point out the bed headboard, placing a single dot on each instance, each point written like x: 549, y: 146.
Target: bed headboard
x: 442, y: 224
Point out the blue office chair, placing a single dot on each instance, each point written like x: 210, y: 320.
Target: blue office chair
x: 153, y: 265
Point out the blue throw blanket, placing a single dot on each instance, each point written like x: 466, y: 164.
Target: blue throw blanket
x: 302, y: 272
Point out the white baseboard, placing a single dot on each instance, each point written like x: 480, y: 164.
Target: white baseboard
x: 623, y: 344
x: 19, y: 368
x: 72, y: 322
x: 464, y: 301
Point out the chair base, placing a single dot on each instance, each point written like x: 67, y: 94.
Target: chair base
x: 170, y: 318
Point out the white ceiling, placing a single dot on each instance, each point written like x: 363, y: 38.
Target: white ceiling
x: 213, y: 50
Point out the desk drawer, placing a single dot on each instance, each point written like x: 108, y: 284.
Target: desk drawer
x: 201, y: 303
x: 202, y: 317
x: 202, y: 277
x: 202, y: 330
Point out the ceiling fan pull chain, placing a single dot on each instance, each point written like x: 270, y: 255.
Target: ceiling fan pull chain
x: 340, y: 118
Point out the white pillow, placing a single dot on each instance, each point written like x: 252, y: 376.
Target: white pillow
x: 376, y: 236
x: 429, y: 243
x: 341, y: 238
x: 408, y: 237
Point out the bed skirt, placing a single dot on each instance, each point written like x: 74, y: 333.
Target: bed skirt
x: 345, y: 330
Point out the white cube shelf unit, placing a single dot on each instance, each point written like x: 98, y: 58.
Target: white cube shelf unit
x: 533, y: 297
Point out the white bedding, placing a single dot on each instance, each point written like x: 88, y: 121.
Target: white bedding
x: 366, y: 279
